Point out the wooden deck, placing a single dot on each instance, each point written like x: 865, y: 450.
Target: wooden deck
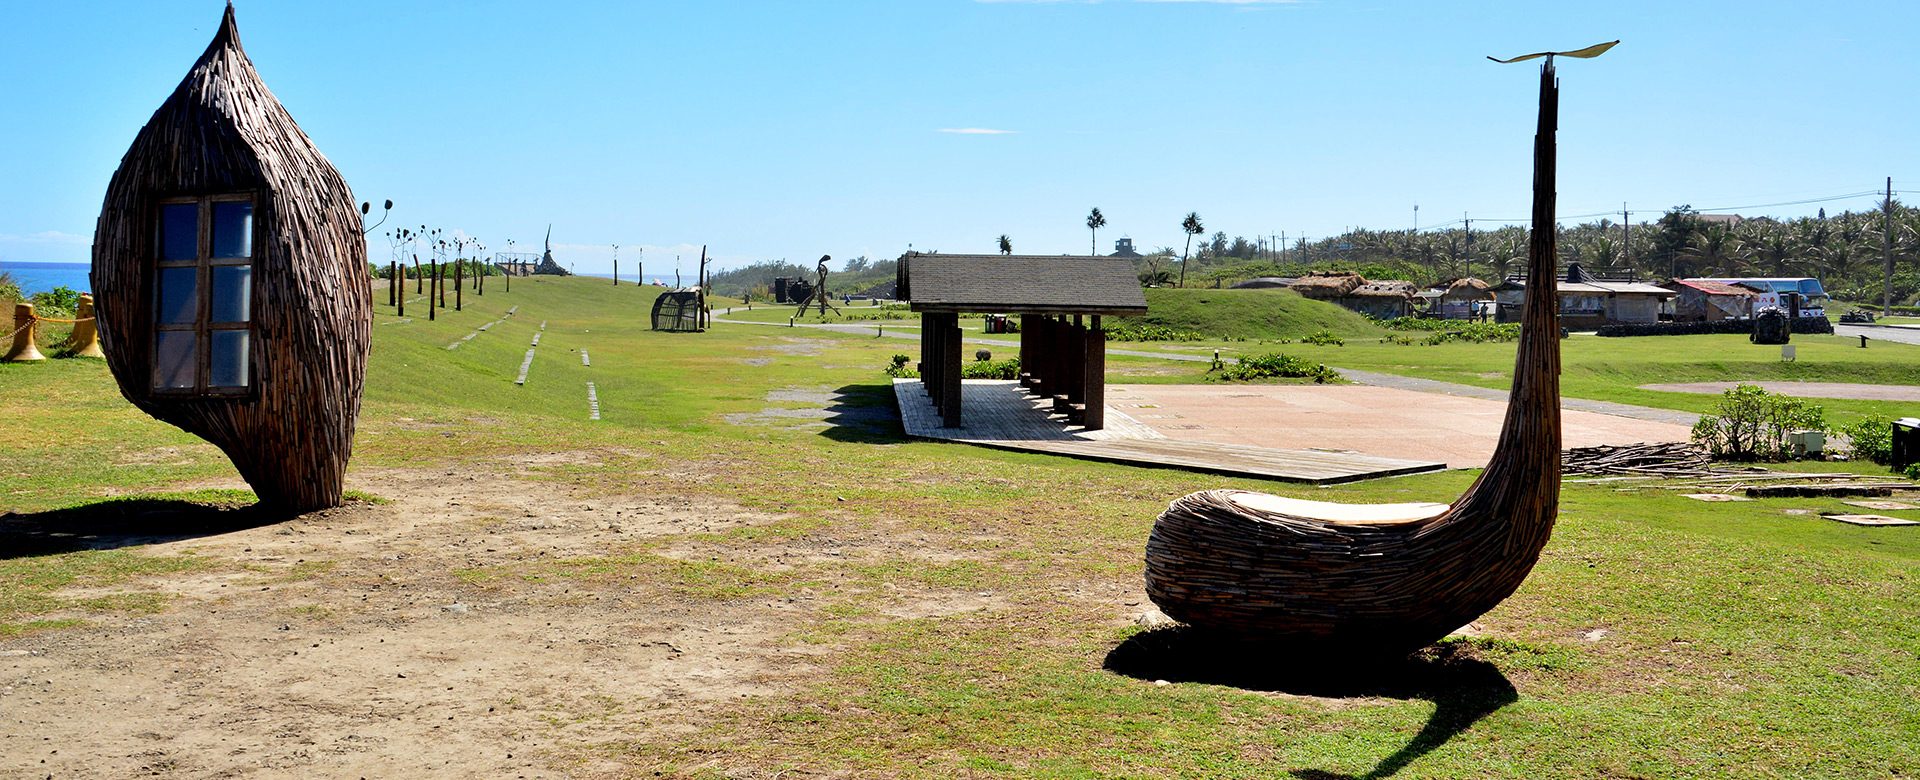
x: 999, y: 414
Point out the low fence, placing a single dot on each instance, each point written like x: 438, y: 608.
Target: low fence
x: 1807, y: 325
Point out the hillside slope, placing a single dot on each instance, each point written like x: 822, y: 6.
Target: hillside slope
x: 1249, y: 314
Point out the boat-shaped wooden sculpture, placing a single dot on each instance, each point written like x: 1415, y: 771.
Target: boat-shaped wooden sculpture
x: 1369, y: 579
x: 231, y: 282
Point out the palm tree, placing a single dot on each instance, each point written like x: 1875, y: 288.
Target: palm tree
x: 1006, y: 244
x: 1095, y: 222
x: 1713, y: 249
x: 1193, y: 228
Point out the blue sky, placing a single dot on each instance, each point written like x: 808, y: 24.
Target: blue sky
x: 788, y: 129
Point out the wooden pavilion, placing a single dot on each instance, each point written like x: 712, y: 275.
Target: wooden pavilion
x: 1060, y: 300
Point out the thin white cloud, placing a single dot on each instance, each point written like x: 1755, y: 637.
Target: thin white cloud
x: 47, y: 237
x: 976, y: 131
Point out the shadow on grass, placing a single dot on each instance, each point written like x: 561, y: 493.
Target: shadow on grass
x: 864, y: 414
x: 1462, y: 688
x: 124, y: 522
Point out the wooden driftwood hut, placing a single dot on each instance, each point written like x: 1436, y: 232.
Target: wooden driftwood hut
x: 232, y: 284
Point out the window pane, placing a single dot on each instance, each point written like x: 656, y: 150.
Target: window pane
x: 229, y: 358
x: 173, y: 359
x: 179, y: 231
x: 233, y: 229
x: 176, y: 296
x: 232, y: 292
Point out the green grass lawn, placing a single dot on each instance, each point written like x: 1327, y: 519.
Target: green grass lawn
x: 1657, y: 637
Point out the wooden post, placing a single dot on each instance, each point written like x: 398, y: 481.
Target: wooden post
x: 433, y: 285
x: 950, y: 370
x: 1077, y: 365
x: 926, y: 352
x: 418, y: 280
x: 1096, y: 376
x: 1026, y: 349
x: 393, y: 282
x: 459, y: 268
x: 440, y: 281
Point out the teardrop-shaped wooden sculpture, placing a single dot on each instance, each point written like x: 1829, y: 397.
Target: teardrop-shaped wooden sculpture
x: 1364, y: 580
x: 231, y: 281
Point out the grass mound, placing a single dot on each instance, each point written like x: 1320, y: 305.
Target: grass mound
x: 1248, y: 314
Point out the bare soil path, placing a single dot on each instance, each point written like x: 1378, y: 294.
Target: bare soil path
x: 466, y: 629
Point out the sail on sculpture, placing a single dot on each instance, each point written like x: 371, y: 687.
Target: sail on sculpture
x: 232, y: 283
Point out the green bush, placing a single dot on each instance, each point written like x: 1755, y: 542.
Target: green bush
x: 991, y: 369
x: 1323, y: 338
x: 900, y: 369
x: 1274, y: 364
x: 1872, y: 438
x: 60, y: 301
x: 1137, y: 331
x: 9, y: 289
x: 1752, y: 424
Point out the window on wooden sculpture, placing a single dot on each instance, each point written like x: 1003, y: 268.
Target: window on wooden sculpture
x: 203, y: 296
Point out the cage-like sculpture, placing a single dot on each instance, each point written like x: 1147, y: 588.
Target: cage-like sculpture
x: 678, y: 311
x: 232, y: 285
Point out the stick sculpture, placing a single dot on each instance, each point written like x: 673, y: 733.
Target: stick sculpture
x: 1342, y: 580
x: 234, y: 298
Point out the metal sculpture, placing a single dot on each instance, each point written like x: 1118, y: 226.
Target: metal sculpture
x: 1344, y: 580
x: 818, y: 295
x: 232, y: 283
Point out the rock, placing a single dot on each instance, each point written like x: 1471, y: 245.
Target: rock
x: 1152, y: 618
x: 455, y: 608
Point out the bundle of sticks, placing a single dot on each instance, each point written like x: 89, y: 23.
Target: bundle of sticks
x: 1676, y: 460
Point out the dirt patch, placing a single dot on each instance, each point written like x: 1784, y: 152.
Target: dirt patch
x: 465, y: 629
x: 796, y: 346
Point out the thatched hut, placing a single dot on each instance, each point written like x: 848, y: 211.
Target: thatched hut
x: 232, y: 284
x: 1465, y: 298
x: 1326, y: 287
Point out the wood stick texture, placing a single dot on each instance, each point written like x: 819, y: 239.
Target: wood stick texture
x: 1341, y: 589
x: 222, y: 131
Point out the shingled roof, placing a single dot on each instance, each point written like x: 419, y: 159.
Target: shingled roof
x: 1022, y: 284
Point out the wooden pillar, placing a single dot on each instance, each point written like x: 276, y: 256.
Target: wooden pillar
x: 1045, y: 369
x: 1096, y: 376
x: 459, y: 278
x: 1027, y: 325
x: 1077, y: 348
x: 950, y: 392
x: 925, y: 366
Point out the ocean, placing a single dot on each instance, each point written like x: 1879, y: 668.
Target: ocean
x: 42, y: 277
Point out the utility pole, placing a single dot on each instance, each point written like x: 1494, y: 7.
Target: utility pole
x: 1886, y: 252
x: 1626, y: 239
x: 616, y: 265
x: 1468, y: 267
x: 1416, y: 217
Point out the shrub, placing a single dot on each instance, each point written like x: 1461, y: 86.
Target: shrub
x: 1275, y: 364
x: 59, y: 301
x: 991, y: 369
x: 982, y: 355
x: 1752, y: 424
x: 9, y: 290
x: 1323, y: 338
x: 1136, y: 331
x: 900, y: 369
x: 1872, y: 438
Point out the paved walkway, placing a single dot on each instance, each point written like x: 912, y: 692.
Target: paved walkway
x: 1650, y: 414
x: 1000, y: 414
x: 1802, y: 389
x: 1905, y: 334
